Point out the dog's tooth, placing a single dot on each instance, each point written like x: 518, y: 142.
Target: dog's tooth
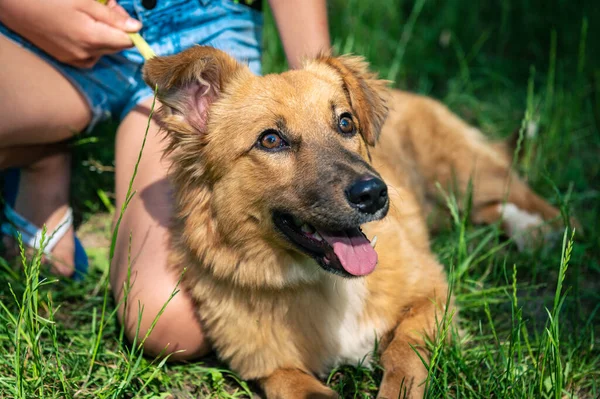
x: 307, y: 229
x: 317, y: 236
x: 374, y: 241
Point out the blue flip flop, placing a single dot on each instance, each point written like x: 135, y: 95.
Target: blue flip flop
x: 31, y: 234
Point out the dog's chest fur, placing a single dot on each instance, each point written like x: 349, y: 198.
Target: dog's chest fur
x: 353, y: 334
x: 314, y: 328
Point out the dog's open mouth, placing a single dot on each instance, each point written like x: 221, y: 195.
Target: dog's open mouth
x: 346, y: 252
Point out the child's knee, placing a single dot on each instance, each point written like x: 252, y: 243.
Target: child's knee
x: 176, y: 332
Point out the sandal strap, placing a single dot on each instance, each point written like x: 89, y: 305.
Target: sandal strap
x: 31, y: 235
x: 59, y: 232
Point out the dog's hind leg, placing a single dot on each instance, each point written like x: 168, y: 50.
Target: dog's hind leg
x: 498, y: 194
x: 443, y: 149
x: 518, y: 209
x: 295, y: 384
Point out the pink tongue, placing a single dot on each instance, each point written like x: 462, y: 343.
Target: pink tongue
x: 354, y: 252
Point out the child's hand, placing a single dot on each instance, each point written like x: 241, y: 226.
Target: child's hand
x: 76, y: 32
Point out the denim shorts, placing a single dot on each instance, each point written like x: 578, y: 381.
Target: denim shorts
x: 114, y: 86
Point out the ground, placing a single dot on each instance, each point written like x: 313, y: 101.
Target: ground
x: 530, y: 320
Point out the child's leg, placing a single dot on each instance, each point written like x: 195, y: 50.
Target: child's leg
x: 43, y: 198
x: 38, y: 107
x: 147, y: 219
x: 38, y: 104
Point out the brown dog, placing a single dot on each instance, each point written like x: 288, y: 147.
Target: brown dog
x: 274, y: 178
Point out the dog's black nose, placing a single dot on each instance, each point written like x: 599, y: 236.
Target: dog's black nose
x: 368, y: 195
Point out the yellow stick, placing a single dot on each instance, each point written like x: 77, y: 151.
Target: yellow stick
x: 139, y: 42
x: 142, y: 45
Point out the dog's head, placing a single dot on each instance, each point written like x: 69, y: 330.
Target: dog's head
x: 286, y: 157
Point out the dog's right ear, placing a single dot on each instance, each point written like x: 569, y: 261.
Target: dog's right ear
x: 188, y: 83
x: 367, y: 94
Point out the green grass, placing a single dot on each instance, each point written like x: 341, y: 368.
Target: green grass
x: 530, y: 320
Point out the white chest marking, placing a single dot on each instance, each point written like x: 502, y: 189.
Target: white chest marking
x: 353, y: 335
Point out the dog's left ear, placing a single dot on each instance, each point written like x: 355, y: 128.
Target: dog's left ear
x: 188, y: 83
x: 366, y: 93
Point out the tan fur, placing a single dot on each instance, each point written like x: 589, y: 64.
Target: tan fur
x: 270, y: 311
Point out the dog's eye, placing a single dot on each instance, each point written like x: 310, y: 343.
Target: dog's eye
x: 346, y: 124
x: 271, y: 140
